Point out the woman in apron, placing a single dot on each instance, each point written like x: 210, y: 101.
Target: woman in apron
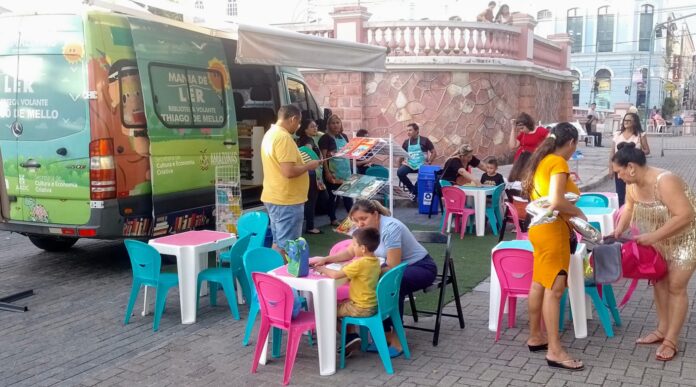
x: 336, y: 170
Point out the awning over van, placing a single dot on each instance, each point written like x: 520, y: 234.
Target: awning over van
x: 272, y: 46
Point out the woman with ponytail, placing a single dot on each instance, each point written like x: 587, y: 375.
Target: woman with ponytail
x: 549, y: 176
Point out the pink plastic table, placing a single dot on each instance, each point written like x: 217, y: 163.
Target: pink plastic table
x: 323, y: 290
x: 191, y: 250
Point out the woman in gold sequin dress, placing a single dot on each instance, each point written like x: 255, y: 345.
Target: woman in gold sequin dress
x: 662, y: 207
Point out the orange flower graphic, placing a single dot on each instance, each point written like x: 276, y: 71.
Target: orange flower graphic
x: 73, y: 52
x: 218, y: 77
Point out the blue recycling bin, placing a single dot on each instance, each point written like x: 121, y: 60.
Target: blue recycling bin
x: 426, y: 189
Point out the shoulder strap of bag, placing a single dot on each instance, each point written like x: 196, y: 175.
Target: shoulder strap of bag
x: 629, y: 293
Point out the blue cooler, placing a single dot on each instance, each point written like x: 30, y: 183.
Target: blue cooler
x: 426, y: 189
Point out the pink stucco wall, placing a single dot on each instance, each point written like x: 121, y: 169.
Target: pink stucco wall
x: 452, y: 108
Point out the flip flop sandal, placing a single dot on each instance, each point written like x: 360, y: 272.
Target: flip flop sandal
x: 538, y: 348
x: 393, y: 352
x: 657, y: 338
x: 563, y: 365
x: 670, y: 345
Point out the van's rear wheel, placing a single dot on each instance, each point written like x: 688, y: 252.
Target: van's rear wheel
x: 51, y: 243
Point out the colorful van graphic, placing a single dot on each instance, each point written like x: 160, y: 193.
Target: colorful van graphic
x: 112, y: 126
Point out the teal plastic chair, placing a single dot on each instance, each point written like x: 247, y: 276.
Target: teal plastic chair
x: 495, y: 217
x: 592, y: 200
x: 382, y: 173
x: 378, y: 171
x: 445, y: 183
x: 604, y: 304
x: 146, y: 263
x: 225, y: 276
x: 255, y: 224
x: 387, y: 307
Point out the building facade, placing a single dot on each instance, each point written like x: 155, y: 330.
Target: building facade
x: 611, y: 52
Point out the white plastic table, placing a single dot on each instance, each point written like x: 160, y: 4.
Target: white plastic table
x: 602, y: 215
x: 191, y: 250
x: 479, y: 194
x: 576, y: 288
x: 323, y: 290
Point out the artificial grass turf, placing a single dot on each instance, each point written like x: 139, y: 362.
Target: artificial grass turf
x: 471, y: 257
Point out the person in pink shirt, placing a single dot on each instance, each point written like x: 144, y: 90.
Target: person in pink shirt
x: 524, y: 136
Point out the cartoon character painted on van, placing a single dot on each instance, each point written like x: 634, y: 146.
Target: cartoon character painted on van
x: 110, y: 119
x: 117, y: 112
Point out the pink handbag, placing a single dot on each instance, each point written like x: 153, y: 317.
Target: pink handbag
x: 640, y: 262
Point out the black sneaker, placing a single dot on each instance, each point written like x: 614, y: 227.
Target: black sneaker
x: 352, y: 343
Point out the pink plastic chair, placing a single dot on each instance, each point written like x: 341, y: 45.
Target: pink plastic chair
x: 514, y: 270
x: 276, y: 299
x: 341, y: 291
x: 516, y: 220
x: 455, y: 205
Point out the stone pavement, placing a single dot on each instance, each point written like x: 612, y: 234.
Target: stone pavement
x: 73, y: 333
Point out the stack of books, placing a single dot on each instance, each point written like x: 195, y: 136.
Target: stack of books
x: 360, y: 148
x: 360, y: 186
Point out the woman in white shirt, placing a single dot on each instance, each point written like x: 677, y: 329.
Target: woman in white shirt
x: 631, y: 131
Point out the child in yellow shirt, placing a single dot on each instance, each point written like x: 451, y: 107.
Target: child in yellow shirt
x: 363, y: 274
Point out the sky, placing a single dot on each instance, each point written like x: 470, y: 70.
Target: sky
x: 288, y: 11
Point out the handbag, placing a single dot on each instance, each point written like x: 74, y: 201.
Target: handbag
x: 298, y: 257
x: 640, y: 262
x: 606, y: 261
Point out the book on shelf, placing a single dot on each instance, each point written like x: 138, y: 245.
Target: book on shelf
x: 365, y: 146
x: 360, y: 186
x: 358, y: 148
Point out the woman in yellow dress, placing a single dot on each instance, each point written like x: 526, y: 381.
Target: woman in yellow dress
x: 663, y: 209
x: 549, y: 176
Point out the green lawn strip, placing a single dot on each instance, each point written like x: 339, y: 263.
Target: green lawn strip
x: 471, y: 259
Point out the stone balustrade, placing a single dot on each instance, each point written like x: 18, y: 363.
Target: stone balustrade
x: 444, y: 38
x: 462, y: 82
x: 320, y: 32
x: 547, y: 53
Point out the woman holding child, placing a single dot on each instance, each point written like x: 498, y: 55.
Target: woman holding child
x: 397, y: 244
x: 662, y: 207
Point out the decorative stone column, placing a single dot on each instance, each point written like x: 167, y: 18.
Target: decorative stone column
x: 564, y: 40
x: 348, y: 23
x: 343, y: 92
x: 526, y: 24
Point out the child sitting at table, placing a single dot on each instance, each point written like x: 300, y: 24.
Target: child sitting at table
x: 363, y: 273
x: 492, y: 177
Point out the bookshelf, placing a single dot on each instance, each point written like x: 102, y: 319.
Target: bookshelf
x: 359, y: 186
x: 250, y: 167
x: 228, y: 200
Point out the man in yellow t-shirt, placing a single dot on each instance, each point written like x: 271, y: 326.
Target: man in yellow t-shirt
x: 285, y: 178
